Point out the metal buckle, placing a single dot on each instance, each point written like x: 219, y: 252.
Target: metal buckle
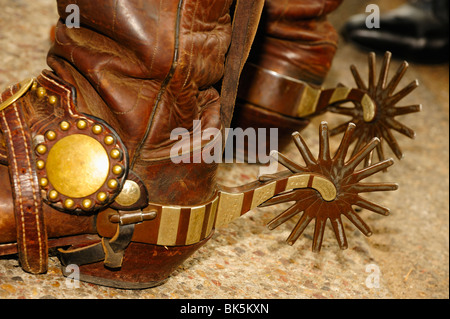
x: 24, y: 87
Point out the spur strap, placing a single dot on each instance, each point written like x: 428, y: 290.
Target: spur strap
x: 37, y: 153
x: 246, y: 19
x: 31, y: 230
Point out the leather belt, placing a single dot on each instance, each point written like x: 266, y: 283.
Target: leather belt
x: 31, y: 230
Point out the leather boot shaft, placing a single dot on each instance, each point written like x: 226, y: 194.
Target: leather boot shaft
x: 295, y: 39
x: 146, y: 68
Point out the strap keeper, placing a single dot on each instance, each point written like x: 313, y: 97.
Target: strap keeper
x: 126, y: 218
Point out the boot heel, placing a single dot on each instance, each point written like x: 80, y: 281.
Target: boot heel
x: 143, y: 266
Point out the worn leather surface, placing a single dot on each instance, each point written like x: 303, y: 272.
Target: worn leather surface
x: 145, y: 67
x: 135, y: 68
x: 31, y: 230
x: 296, y: 39
x: 38, y: 114
x: 294, y: 42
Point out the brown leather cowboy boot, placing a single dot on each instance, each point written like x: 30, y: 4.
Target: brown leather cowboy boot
x: 293, y: 51
x: 88, y: 145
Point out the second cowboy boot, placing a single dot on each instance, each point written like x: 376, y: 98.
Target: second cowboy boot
x: 293, y: 51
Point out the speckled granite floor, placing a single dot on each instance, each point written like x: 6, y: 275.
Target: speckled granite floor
x: 246, y: 260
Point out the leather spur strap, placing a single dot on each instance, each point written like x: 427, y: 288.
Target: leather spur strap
x: 31, y: 230
x: 245, y: 24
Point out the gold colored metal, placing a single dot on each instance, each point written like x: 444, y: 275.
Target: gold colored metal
x: 308, y: 101
x: 109, y: 140
x: 41, y: 149
x: 64, y: 125
x: 230, y: 208
x: 130, y: 194
x: 115, y: 153
x: 52, y: 99
x: 34, y: 86
x: 69, y: 203
x: 339, y: 94
x: 369, y: 108
x: 196, y: 221
x: 102, y: 196
x: 87, y: 203
x: 43, y: 182
x: 325, y: 187
x: 112, y: 183
x: 41, y: 92
x: 168, y: 227
x: 297, y: 181
x: 117, y: 169
x: 40, y: 164
x: 77, y: 166
x: 81, y: 124
x: 97, y: 129
x: 24, y: 87
x: 52, y: 195
x: 263, y: 193
x: 50, y: 135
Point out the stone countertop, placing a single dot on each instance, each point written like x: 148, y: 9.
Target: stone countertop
x: 409, y: 248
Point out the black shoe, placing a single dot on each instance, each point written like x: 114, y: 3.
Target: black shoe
x: 417, y: 31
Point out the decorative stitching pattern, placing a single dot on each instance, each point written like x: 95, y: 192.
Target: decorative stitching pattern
x: 28, y: 210
x: 19, y: 190
x: 33, y: 187
x: 68, y: 93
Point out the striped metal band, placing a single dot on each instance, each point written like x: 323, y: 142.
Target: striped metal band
x: 179, y: 225
x: 316, y: 99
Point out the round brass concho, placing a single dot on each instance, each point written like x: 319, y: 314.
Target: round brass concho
x: 77, y: 166
x: 81, y: 165
x: 130, y: 194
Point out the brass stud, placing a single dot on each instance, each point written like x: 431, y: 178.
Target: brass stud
x: 112, y: 183
x: 115, y: 153
x: 102, y: 196
x: 97, y: 129
x: 87, y: 203
x: 43, y: 182
x: 81, y: 124
x: 109, y: 140
x: 69, y: 203
x: 52, y: 99
x: 50, y: 135
x: 64, y: 125
x: 40, y: 164
x: 117, y: 169
x: 41, y: 92
x: 41, y: 149
x: 53, y: 195
x: 34, y: 86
